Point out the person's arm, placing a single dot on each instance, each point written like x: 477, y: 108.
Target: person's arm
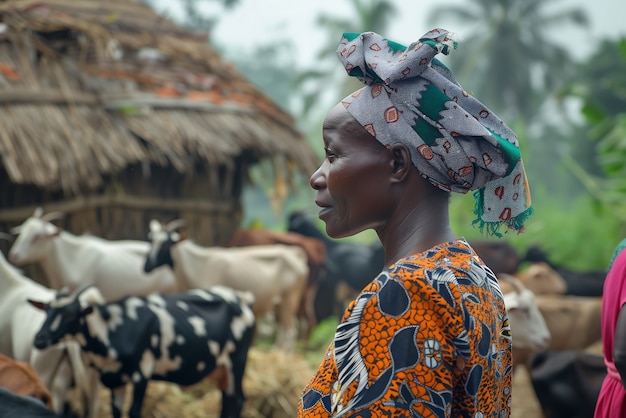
x: 619, y: 345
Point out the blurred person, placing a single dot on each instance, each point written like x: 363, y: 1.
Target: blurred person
x: 429, y: 336
x: 612, y: 398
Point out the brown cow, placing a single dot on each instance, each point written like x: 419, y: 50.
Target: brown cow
x: 20, y: 378
x: 573, y: 322
x: 542, y: 280
x: 316, y: 255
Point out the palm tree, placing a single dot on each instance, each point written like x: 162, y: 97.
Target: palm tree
x: 328, y: 75
x: 511, y: 56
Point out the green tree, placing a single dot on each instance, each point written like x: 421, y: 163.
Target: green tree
x: 510, y: 55
x: 601, y: 84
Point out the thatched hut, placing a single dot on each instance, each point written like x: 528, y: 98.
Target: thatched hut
x: 113, y: 114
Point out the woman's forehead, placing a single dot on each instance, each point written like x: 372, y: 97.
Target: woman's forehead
x: 340, y: 124
x: 337, y: 117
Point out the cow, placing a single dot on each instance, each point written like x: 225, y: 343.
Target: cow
x: 573, y: 321
x: 316, y: 256
x: 587, y: 283
x: 542, y: 279
x: 72, y: 261
x: 567, y: 383
x: 60, y: 368
x: 13, y: 405
x: 20, y: 378
x: 275, y: 274
x: 180, y: 338
x: 349, y: 263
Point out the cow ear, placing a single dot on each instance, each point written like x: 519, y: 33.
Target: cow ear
x: 37, y: 304
x: 87, y: 310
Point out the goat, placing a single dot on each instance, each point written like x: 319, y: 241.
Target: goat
x: 275, y: 274
x: 528, y: 327
x: 58, y: 367
x: 74, y: 261
x: 316, y: 257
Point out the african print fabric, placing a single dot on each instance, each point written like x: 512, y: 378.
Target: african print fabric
x: 456, y: 142
x: 429, y: 337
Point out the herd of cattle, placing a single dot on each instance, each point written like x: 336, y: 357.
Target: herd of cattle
x: 125, y: 312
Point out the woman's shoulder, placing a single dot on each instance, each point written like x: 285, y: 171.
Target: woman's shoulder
x: 455, y: 255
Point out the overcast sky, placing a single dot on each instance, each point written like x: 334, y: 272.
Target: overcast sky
x: 254, y: 21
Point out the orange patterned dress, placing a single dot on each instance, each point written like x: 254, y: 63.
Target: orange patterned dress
x: 429, y: 337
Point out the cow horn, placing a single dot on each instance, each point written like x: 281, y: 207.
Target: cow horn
x: 175, y: 224
x: 37, y: 212
x: 48, y: 217
x: 6, y: 236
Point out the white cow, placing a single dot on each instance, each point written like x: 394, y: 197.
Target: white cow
x: 58, y: 367
x: 72, y: 262
x: 528, y: 328
x: 274, y: 274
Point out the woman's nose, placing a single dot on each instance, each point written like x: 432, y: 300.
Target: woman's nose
x: 318, y: 179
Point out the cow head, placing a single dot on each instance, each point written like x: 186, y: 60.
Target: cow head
x: 162, y: 239
x: 34, y: 237
x: 65, y: 315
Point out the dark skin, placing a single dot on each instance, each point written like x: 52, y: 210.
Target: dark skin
x: 364, y: 185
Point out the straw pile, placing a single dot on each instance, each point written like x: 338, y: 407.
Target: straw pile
x: 272, y: 383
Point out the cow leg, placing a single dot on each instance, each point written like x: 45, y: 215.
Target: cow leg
x: 287, y: 331
x: 232, y: 395
x: 139, y: 392
x: 62, y: 384
x: 118, y: 396
x: 231, y: 405
x: 92, y: 397
x: 308, y: 308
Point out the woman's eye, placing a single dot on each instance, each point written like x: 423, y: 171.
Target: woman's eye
x: 329, y: 153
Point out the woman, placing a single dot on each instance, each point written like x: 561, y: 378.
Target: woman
x: 612, y: 398
x: 429, y: 336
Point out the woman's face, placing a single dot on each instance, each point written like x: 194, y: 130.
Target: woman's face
x: 353, y: 181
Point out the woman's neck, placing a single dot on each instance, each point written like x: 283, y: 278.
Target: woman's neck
x: 416, y: 230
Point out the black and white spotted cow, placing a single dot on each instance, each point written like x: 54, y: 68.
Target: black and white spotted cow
x: 179, y: 338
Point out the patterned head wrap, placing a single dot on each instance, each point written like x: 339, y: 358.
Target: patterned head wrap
x: 456, y: 142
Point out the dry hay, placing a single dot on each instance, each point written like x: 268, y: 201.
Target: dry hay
x: 272, y: 384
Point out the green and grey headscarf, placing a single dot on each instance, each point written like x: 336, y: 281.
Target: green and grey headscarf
x: 457, y: 143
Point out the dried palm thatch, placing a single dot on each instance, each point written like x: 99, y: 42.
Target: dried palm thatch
x: 114, y: 115
x: 273, y: 382
x: 89, y: 87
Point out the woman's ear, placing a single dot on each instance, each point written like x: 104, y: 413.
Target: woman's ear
x: 402, y: 162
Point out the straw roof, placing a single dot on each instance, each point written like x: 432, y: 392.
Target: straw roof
x: 89, y: 87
